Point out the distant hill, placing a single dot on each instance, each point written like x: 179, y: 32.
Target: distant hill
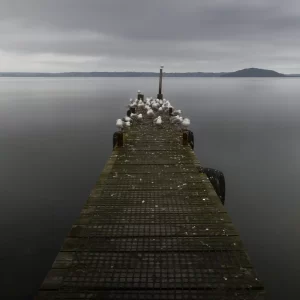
x: 253, y: 72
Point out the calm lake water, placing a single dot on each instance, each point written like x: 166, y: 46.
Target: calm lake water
x: 56, y: 135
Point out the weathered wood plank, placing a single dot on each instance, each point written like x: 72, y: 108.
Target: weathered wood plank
x: 139, y: 244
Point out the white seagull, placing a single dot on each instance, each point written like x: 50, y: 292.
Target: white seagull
x: 150, y: 113
x: 158, y: 121
x: 127, y: 119
x: 175, y: 120
x: 140, y: 117
x: 127, y: 124
x: 141, y: 104
x: 119, y: 124
x: 176, y: 112
x: 133, y: 116
x: 185, y: 123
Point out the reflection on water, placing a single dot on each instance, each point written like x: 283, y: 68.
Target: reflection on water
x: 56, y: 134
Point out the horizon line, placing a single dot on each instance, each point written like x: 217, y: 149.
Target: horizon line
x: 145, y: 72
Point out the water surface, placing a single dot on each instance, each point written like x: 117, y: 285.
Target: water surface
x: 56, y: 135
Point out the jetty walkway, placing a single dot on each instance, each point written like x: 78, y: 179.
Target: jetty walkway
x: 153, y: 227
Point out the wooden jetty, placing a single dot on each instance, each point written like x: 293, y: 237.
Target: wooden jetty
x: 153, y: 227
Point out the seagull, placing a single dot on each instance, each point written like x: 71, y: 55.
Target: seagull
x: 150, y: 113
x: 158, y: 121
x: 133, y: 116
x: 176, y: 112
x: 133, y: 103
x: 168, y: 107
x: 155, y: 106
x: 127, y: 124
x: 119, y: 124
x: 186, y: 123
x: 141, y: 104
x: 175, y: 120
x: 165, y: 107
x: 127, y: 119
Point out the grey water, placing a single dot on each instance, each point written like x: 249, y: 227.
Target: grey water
x: 56, y: 135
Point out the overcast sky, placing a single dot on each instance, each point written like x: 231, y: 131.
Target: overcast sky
x: 139, y: 35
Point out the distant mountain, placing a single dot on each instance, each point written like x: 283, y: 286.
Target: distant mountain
x: 253, y: 72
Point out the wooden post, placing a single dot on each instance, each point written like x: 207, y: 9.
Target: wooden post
x: 140, y: 96
x: 118, y: 139
x: 160, y: 95
x: 185, y: 138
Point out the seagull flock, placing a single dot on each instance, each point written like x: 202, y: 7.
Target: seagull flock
x: 154, y: 109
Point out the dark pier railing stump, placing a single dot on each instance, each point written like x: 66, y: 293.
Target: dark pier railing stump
x: 191, y: 139
x: 118, y: 140
x: 160, y: 95
x: 185, y: 136
x: 140, y: 96
x: 188, y: 138
x: 217, y: 179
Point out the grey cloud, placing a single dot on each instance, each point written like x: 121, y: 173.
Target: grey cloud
x: 226, y: 32
x: 153, y: 20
